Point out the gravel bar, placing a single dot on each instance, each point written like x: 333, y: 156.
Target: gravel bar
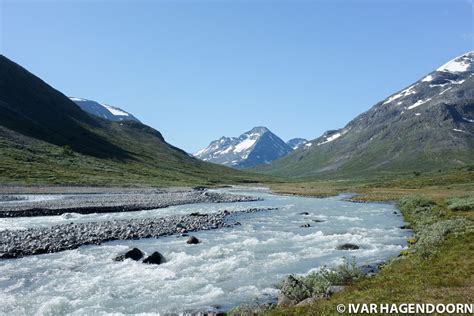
x: 33, y: 241
x: 20, y: 206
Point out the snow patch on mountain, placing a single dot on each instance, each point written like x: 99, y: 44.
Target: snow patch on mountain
x: 105, y: 111
x: 468, y: 119
x: 458, y: 64
x: 331, y: 136
x: 296, y: 143
x: 427, y: 78
x: 408, y: 91
x: 418, y: 103
x: 244, y: 145
x: 115, y: 111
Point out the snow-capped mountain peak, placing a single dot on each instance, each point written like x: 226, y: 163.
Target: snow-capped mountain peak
x: 459, y: 64
x: 435, y: 85
x: 105, y: 111
x: 257, y: 146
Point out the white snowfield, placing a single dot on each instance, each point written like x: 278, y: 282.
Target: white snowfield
x: 102, y: 110
x: 404, y: 93
x: 458, y: 64
x: 114, y: 110
x: 331, y: 138
x: 76, y: 99
x: 418, y: 103
x: 427, y: 78
x: 244, y: 145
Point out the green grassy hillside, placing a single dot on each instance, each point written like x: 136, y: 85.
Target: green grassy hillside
x: 47, y: 139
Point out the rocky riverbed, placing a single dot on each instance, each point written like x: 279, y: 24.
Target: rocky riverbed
x: 57, y: 238
x: 85, y: 202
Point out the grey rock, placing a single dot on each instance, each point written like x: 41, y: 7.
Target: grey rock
x: 333, y: 289
x: 283, y: 300
x: 347, y: 246
x: 192, y: 240
x: 134, y: 254
x: 154, y: 258
x: 310, y: 300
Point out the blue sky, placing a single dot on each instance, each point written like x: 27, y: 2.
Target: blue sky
x: 197, y: 70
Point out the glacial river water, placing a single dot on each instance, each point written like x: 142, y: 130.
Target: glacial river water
x: 229, y: 267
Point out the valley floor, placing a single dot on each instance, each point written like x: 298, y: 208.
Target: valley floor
x: 446, y: 276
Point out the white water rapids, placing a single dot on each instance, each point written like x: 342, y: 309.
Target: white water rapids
x: 229, y: 267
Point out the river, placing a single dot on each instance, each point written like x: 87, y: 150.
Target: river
x: 229, y: 267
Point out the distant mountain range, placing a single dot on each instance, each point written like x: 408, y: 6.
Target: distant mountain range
x: 252, y: 148
x: 108, y: 112
x: 427, y: 126
x: 45, y: 138
x: 48, y: 138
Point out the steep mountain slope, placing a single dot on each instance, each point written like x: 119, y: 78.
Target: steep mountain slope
x: 30, y: 107
x: 252, y: 148
x: 426, y: 126
x: 45, y: 138
x: 296, y: 143
x: 105, y: 111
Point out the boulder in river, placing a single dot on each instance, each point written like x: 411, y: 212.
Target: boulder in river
x: 134, y: 254
x: 318, y: 221
x: 347, y: 246
x: 305, y: 225
x: 303, y: 213
x: 154, y: 258
x: 192, y: 240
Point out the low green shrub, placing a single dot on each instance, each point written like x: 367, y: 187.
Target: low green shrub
x: 431, y: 236
x: 250, y: 310
x: 298, y: 288
x: 461, y: 204
x: 409, y: 203
x: 430, y: 223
